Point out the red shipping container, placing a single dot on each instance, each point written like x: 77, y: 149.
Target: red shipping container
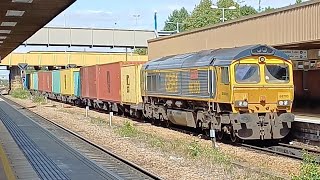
x: 88, y: 76
x: 45, y: 81
x: 109, y: 81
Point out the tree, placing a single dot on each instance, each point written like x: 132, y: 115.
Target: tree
x: 202, y: 15
x: 247, y: 10
x: 267, y: 9
x: 141, y: 51
x: 298, y: 1
x: 177, y: 16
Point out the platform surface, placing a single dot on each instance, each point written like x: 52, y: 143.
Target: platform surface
x: 35, y: 153
x: 307, y: 118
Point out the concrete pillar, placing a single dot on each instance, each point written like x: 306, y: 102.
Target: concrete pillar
x: 15, y: 81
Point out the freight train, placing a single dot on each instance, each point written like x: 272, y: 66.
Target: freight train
x: 244, y: 92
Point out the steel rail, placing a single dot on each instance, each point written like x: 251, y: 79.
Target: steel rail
x: 108, y: 152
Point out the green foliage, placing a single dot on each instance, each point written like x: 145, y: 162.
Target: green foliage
x: 20, y: 93
x: 141, y: 51
x: 128, y: 130
x: 298, y: 1
x: 194, y: 149
x: 310, y: 169
x: 247, y: 10
x: 177, y: 16
x: 202, y: 15
x: 267, y: 9
x: 38, y: 99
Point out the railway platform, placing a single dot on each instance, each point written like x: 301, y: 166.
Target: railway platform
x: 31, y: 151
x: 306, y: 128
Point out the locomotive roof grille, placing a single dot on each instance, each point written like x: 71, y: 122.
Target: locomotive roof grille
x: 216, y: 57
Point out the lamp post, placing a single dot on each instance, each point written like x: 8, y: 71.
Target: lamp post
x: 136, y: 16
x: 114, y: 27
x: 223, y: 10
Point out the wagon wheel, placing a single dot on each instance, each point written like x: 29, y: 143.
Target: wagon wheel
x: 166, y: 123
x: 220, y: 135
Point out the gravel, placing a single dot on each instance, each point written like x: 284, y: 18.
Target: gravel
x: 169, y: 165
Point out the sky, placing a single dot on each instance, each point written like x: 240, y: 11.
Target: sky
x: 119, y: 14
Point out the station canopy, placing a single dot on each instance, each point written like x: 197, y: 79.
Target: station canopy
x: 20, y: 19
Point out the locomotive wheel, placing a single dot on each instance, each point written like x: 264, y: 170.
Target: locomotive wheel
x: 234, y: 138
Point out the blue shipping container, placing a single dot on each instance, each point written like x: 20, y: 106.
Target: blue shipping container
x: 76, y: 81
x: 35, y: 80
x: 56, y: 87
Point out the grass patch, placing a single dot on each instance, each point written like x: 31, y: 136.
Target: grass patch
x: 193, y: 150
x: 128, y: 130
x: 309, y: 170
x: 20, y: 94
x: 98, y: 121
x: 38, y: 99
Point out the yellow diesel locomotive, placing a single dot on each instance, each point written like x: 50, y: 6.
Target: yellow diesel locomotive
x: 244, y: 92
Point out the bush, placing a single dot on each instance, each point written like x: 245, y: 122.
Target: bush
x: 20, y: 93
x: 38, y: 99
x: 310, y: 169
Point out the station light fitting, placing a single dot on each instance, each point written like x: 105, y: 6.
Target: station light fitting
x: 8, y: 24
x: 3, y: 37
x: 22, y: 1
x: 1, y: 42
x: 5, y: 31
x: 15, y: 13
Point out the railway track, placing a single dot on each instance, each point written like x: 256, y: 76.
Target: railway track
x: 100, y: 156
x: 286, y: 150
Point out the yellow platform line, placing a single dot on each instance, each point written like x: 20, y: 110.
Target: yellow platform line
x: 6, y: 164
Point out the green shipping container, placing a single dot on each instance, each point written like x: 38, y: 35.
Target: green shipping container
x: 76, y: 81
x: 56, y: 87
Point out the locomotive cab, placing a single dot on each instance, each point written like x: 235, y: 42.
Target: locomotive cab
x: 261, y: 97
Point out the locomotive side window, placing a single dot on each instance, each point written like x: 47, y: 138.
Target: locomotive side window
x: 277, y: 73
x: 225, y: 75
x: 247, y: 73
x: 152, y: 80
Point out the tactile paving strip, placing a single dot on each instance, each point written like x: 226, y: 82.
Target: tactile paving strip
x: 43, y: 165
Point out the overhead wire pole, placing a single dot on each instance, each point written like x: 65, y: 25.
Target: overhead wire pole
x: 136, y: 16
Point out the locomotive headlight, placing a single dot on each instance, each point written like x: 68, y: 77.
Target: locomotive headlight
x: 284, y: 103
x: 240, y: 104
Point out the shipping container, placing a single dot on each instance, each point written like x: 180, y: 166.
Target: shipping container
x: 76, y: 81
x: 27, y: 81
x: 109, y: 81
x: 88, y: 81
x: 35, y: 81
x: 45, y: 81
x: 56, y: 85
x: 130, y: 84
x: 66, y: 81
